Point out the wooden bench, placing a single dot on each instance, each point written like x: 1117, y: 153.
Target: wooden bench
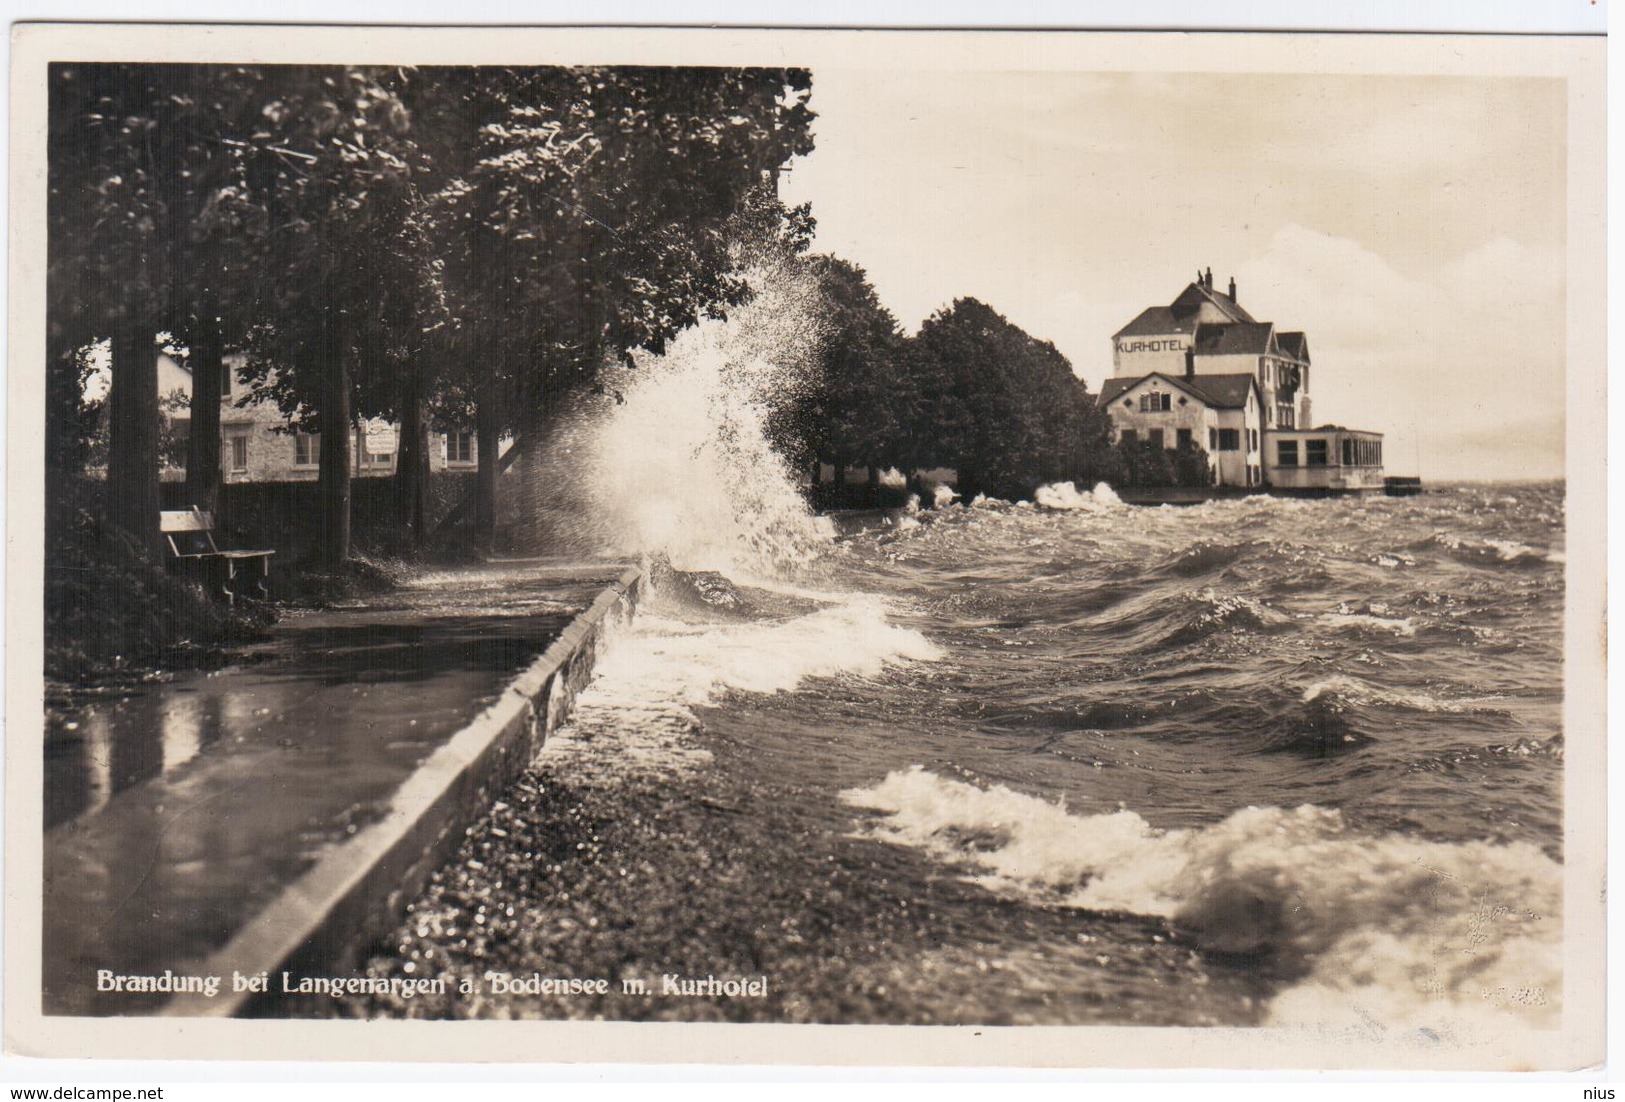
x: 190, y: 535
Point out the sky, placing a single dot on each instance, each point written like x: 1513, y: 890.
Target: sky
x: 1413, y: 227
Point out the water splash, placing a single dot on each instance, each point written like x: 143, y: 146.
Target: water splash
x: 674, y: 462
x: 676, y: 465
x: 1067, y: 497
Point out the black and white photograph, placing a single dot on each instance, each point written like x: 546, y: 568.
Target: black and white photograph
x: 962, y: 532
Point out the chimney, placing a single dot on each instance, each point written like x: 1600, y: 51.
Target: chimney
x: 1232, y: 288
x: 1207, y: 281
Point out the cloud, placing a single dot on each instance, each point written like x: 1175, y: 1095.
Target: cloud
x: 1469, y: 355
x: 1412, y: 226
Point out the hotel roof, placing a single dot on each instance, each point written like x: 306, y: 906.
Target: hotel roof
x: 1294, y: 344
x: 1157, y: 321
x: 1180, y: 316
x: 1190, y: 299
x: 1218, y: 391
x: 1243, y: 338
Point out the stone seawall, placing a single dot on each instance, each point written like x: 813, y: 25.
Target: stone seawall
x: 323, y: 922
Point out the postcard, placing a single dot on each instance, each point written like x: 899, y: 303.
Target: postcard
x: 1056, y: 548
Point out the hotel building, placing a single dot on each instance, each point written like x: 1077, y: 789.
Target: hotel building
x: 1203, y: 371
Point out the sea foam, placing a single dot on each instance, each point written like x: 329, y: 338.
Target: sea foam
x: 1066, y: 497
x: 695, y: 663
x: 1416, y: 933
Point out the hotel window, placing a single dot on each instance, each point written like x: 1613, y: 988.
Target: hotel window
x: 459, y: 447
x: 1314, y: 453
x: 1155, y: 437
x: 1155, y: 403
x: 307, y: 449
x: 1229, y: 440
x: 1182, y: 438
x: 237, y: 445
x: 1127, y: 436
x: 1212, y: 440
x: 1286, y: 453
x: 1252, y: 436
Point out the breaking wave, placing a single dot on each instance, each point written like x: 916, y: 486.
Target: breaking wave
x: 1066, y: 497
x: 674, y: 461
x: 1330, y: 729
x: 1415, y: 932
x: 696, y: 662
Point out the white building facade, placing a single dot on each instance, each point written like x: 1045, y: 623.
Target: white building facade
x: 260, y: 444
x: 1221, y: 415
x: 1329, y: 458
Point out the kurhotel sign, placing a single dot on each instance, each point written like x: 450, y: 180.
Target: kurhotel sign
x: 1164, y: 344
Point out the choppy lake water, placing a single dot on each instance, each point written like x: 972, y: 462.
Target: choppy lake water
x: 1253, y: 762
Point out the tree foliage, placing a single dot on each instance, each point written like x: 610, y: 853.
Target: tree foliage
x: 999, y: 406
x: 392, y: 242
x: 594, y: 219
x: 854, y: 407
x: 971, y: 392
x: 1135, y: 462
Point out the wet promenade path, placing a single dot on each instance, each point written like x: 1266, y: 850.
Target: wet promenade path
x: 176, y: 811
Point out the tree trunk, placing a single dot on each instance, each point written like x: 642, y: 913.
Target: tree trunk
x: 874, y: 485
x: 838, y: 498
x: 487, y: 431
x: 203, y: 446
x: 333, y: 480
x: 132, y: 458
x: 967, y: 484
x: 64, y: 443
x: 412, y: 470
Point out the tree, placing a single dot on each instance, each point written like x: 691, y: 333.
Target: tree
x: 539, y: 223
x: 853, y: 408
x: 116, y: 135
x: 213, y: 276
x: 333, y: 174
x: 1000, y: 407
x: 146, y: 174
x: 595, y: 222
